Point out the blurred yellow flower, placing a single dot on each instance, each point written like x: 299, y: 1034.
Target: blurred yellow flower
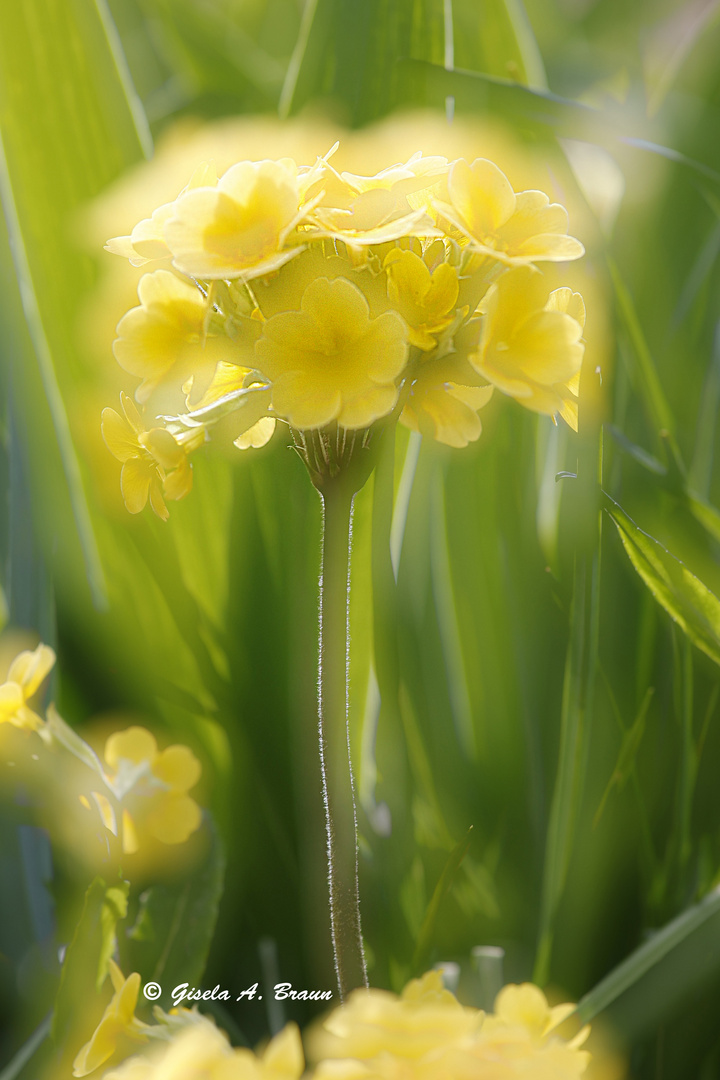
x: 199, y: 1051
x: 239, y: 227
x: 331, y: 360
x: 425, y: 299
x: 118, y: 1021
x: 530, y: 344
x: 155, y: 462
x: 423, y: 1019
x: 24, y: 678
x: 513, y: 228
x: 427, y: 1035
x: 171, y: 335
x: 153, y: 786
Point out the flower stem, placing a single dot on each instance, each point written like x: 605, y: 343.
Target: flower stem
x: 336, y: 767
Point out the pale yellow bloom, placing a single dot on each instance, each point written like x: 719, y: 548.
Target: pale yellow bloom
x: 427, y: 1035
x: 153, y: 785
x: 531, y: 343
x: 425, y: 1018
x: 514, y: 228
x: 425, y: 300
x: 155, y: 462
x: 199, y: 1051
x: 146, y: 243
x: 250, y: 424
x: 443, y: 402
x: 171, y: 334
x: 118, y: 1021
x: 331, y: 361
x: 239, y: 228
x: 24, y: 679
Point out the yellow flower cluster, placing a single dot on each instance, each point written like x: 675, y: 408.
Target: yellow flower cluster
x: 332, y: 300
x: 425, y: 1034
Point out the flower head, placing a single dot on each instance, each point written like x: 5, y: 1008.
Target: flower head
x: 531, y: 343
x: 26, y: 674
x: 376, y: 1022
x: 331, y: 360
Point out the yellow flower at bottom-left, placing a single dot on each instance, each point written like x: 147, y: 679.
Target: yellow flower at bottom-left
x: 155, y: 462
x: 118, y: 1021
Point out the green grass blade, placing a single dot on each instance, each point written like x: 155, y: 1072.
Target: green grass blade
x: 69, y: 123
x: 648, y: 956
x: 454, y: 861
x: 686, y: 599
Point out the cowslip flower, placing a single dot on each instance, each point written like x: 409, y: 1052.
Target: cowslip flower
x: 423, y: 1019
x: 426, y: 1035
x: 146, y: 243
x: 26, y: 674
x: 155, y: 463
x: 512, y: 227
x: 426, y: 299
x: 118, y: 1022
x: 200, y: 1051
x: 170, y: 335
x: 366, y: 210
x: 444, y: 402
x: 531, y: 343
x: 152, y: 786
x: 239, y: 228
x: 330, y: 361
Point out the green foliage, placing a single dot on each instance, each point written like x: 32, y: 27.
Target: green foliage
x: 685, y: 598
x: 86, y: 960
x: 170, y: 939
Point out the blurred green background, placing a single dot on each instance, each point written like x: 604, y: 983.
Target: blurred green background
x: 516, y: 676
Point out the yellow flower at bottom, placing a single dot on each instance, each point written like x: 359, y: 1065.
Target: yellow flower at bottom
x: 199, y: 1051
x: 531, y: 343
x: 376, y: 1022
x: 118, y: 1020
x: 331, y: 360
x: 24, y: 678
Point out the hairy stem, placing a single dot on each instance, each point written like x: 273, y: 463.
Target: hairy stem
x: 337, y: 777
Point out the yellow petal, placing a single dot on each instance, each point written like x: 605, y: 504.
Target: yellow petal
x: 177, y: 767
x: 119, y: 437
x: 257, y: 435
x: 135, y: 483
x: 30, y: 668
x: 174, y: 818
x: 11, y: 699
x: 482, y: 196
x: 284, y: 1054
x: 134, y: 744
